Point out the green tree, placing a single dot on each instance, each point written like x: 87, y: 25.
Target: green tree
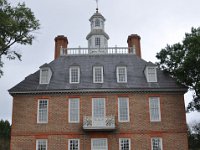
x: 5, y: 129
x: 17, y: 25
x: 194, y: 136
x: 182, y: 62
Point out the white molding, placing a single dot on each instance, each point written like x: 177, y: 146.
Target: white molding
x: 71, y: 140
x: 38, y: 121
x: 92, y: 139
x: 95, y: 67
x: 93, y: 105
x: 69, y: 118
x: 49, y: 75
x: 128, y: 120
x: 37, y: 141
x: 118, y: 67
x: 120, y: 139
x: 147, y: 73
x: 159, y: 111
x: 161, y: 143
x: 74, y: 67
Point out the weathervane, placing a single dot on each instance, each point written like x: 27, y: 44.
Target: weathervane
x: 97, y: 5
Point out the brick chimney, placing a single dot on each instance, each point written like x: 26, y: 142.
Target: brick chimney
x: 134, y: 43
x: 60, y: 41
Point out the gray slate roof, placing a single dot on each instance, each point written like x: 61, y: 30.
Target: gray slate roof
x: 136, y: 80
x: 97, y: 32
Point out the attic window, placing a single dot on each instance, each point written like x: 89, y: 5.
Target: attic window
x: 151, y: 74
x: 98, y: 74
x: 74, y: 74
x: 45, y: 75
x: 97, y: 23
x: 121, y: 75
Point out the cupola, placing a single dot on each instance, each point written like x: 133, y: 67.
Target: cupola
x: 97, y: 38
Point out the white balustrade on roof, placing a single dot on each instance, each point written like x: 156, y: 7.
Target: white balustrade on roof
x: 96, y: 51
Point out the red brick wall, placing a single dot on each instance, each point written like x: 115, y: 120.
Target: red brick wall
x: 172, y: 127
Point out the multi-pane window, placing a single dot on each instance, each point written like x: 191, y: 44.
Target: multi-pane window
x: 156, y: 143
x: 74, y: 74
x: 154, y: 109
x: 151, y: 74
x: 98, y: 111
x: 41, y: 144
x: 73, y: 144
x: 97, y: 41
x: 124, y: 144
x: 97, y: 23
x: 99, y: 144
x: 42, y: 116
x: 45, y: 75
x: 74, y: 110
x: 123, y: 109
x: 98, y: 74
x: 121, y: 74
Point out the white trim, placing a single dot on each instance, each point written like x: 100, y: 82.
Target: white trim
x: 161, y: 144
x: 74, y: 67
x: 38, y: 121
x: 118, y: 67
x: 99, y: 139
x: 128, y: 120
x: 93, y: 105
x: 69, y: 118
x: 46, y: 142
x: 147, y: 73
x: 94, y: 74
x: 71, y: 140
x: 159, y: 111
x: 129, y: 141
x: 49, y: 74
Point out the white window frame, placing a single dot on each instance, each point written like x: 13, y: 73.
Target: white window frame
x: 103, y: 99
x: 125, y: 77
x: 69, y: 140
x: 41, y: 140
x: 148, y: 74
x: 93, y: 139
x: 97, y: 41
x: 94, y: 74
x: 161, y: 144
x: 38, y: 109
x: 159, y: 111
x: 97, y: 22
x: 128, y: 117
x: 70, y: 74
x: 120, y: 141
x: 45, y: 79
x: 69, y: 110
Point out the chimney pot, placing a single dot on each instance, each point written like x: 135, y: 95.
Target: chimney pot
x: 60, y: 41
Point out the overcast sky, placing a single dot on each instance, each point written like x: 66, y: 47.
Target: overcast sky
x: 158, y: 22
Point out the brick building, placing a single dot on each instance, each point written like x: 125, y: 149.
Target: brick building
x: 98, y: 98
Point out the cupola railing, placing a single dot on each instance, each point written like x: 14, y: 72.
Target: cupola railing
x: 94, y: 51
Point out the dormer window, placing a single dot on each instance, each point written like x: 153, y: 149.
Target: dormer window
x: 98, y: 74
x: 121, y: 74
x: 74, y: 74
x: 45, y: 75
x: 151, y: 73
x: 97, y: 23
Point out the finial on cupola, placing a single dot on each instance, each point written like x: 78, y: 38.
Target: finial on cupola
x: 97, y: 6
